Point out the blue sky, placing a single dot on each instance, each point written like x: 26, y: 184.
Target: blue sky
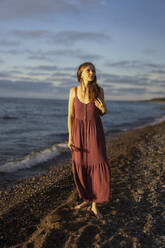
x: 42, y: 43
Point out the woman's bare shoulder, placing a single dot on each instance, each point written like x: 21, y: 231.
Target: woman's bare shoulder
x: 72, y: 92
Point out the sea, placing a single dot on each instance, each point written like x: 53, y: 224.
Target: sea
x: 34, y: 131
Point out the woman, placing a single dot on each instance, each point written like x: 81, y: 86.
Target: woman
x: 90, y: 167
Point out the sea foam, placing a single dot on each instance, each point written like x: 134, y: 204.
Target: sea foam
x: 34, y: 158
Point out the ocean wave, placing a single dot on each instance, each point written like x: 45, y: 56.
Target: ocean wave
x: 158, y: 120
x: 33, y: 159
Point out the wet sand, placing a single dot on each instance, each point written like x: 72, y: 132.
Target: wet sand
x: 39, y: 211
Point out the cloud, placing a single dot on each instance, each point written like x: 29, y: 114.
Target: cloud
x: 40, y: 58
x: 69, y: 68
x: 158, y: 82
x: 108, y: 78
x: 152, y: 65
x: 62, y: 79
x: 66, y: 83
x: 151, y: 51
x: 7, y: 43
x: 26, y: 85
x: 38, y: 71
x: 114, y: 78
x: 60, y: 74
x: 37, y: 74
x: 33, y: 89
x: 88, y: 57
x: 162, y: 93
x: 29, y: 34
x: 31, y: 8
x: 94, y: 3
x: 158, y: 71
x: 135, y: 91
x: 134, y: 64
x: 49, y: 55
x: 76, y: 53
x: 43, y: 68
x: 131, y: 92
x: 71, y: 37
x: 52, y: 72
x: 59, y: 84
x: 5, y: 74
x: 11, y: 51
x: 2, y: 61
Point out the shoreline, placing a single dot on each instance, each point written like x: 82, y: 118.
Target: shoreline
x: 38, y: 211
x: 42, y: 168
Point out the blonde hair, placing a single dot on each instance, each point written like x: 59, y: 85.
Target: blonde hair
x: 93, y: 87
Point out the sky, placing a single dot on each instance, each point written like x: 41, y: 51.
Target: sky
x: 42, y: 44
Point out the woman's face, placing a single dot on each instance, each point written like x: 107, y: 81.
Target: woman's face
x: 88, y: 74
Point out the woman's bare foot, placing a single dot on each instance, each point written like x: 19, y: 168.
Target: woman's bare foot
x: 83, y: 204
x: 96, y: 211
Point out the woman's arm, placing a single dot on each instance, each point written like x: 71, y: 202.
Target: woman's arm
x: 100, y: 103
x: 70, y: 115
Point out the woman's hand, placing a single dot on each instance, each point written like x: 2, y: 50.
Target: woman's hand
x: 71, y: 146
x: 100, y: 105
x: 99, y: 102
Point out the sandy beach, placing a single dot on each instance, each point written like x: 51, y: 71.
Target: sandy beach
x: 38, y: 212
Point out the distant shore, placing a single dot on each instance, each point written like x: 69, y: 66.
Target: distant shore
x: 158, y: 100
x: 38, y: 212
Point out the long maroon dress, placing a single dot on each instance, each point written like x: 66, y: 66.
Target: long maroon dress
x: 90, y: 167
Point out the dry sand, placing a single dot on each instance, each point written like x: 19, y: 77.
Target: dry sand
x: 39, y: 211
